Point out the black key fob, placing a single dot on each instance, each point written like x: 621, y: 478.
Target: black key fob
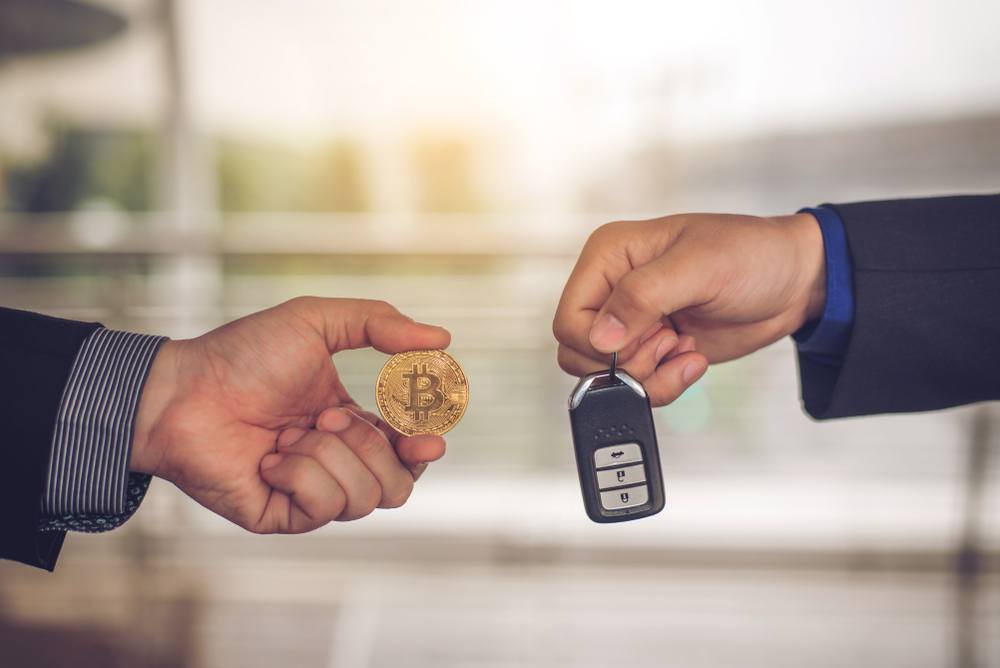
x: 616, y: 450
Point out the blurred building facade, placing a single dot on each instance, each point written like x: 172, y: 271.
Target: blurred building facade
x: 450, y: 157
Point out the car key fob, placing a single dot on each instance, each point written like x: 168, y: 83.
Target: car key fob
x: 616, y: 450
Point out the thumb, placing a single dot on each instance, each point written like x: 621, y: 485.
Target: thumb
x: 360, y: 323
x: 640, y: 299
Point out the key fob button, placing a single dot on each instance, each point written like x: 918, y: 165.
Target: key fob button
x: 628, y: 497
x: 624, y: 475
x: 626, y: 453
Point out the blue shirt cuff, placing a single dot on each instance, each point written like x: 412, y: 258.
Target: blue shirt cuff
x: 826, y: 340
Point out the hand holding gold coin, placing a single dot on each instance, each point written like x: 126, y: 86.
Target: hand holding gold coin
x: 229, y: 417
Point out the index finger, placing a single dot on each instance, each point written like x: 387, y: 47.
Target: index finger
x: 586, y: 291
x: 603, y: 260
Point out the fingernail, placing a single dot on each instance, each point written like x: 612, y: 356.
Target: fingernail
x: 355, y: 415
x: 692, y: 372
x: 270, y: 461
x: 607, y: 333
x: 664, y: 347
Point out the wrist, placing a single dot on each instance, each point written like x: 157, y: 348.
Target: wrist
x: 149, y: 439
x: 810, y: 260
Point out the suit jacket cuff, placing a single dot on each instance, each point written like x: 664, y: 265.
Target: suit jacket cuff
x: 926, y: 277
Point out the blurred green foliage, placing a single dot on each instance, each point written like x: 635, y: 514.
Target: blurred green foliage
x: 255, y: 176
x: 83, y: 164
x: 118, y: 167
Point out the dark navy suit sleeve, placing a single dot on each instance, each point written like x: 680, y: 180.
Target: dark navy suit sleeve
x: 36, y: 354
x: 925, y: 331
x: 68, y: 395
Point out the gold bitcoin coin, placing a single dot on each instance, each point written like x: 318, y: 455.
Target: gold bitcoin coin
x: 422, y: 392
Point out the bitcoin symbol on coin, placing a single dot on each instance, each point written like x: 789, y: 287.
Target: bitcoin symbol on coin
x: 424, y: 398
x: 422, y: 392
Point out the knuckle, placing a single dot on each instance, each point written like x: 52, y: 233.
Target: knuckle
x: 369, y: 502
x: 380, y: 306
x: 398, y: 496
x: 371, y: 445
x: 302, y: 301
x: 606, y: 232
x: 337, y: 508
x: 637, y: 292
x: 565, y: 359
x: 362, y: 502
x: 562, y: 329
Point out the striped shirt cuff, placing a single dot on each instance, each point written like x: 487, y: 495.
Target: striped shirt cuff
x: 88, y: 487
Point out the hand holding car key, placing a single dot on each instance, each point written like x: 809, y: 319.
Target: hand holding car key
x: 615, y: 442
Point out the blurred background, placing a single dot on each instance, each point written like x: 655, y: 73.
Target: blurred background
x: 169, y: 165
